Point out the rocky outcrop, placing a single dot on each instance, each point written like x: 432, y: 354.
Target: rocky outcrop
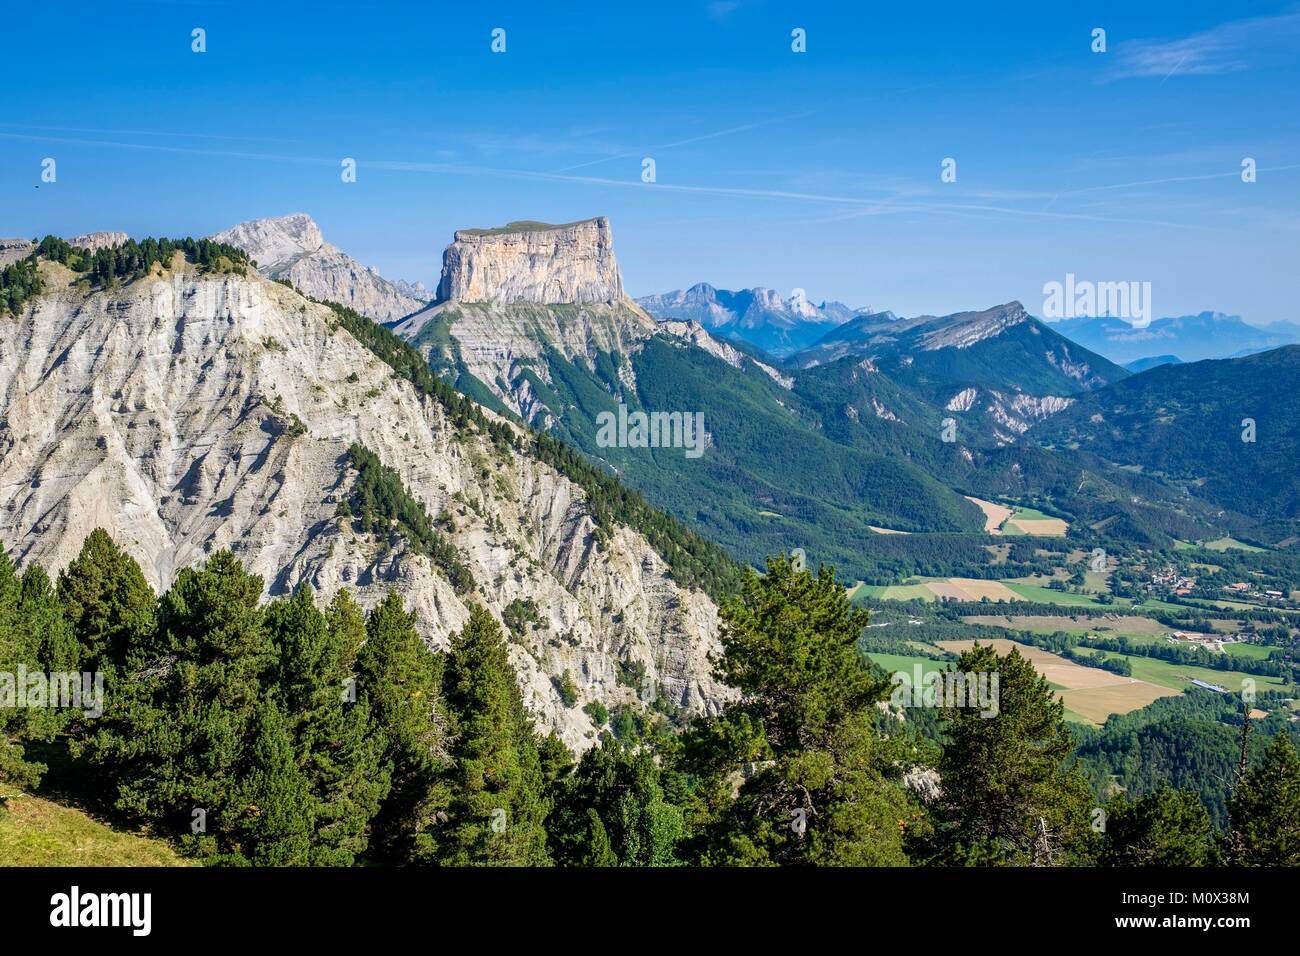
x: 1010, y: 414
x: 94, y: 241
x: 187, y: 413
x: 11, y: 250
x: 695, y: 334
x: 293, y: 249
x: 532, y: 262
x: 965, y: 329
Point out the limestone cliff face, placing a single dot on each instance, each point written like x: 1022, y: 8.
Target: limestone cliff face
x: 533, y: 262
x: 292, y: 248
x: 188, y: 413
x: 94, y: 241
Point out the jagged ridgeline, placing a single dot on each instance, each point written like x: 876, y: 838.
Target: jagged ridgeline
x: 693, y: 560
x: 126, y: 262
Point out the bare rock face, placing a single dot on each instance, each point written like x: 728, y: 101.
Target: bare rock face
x: 186, y: 413
x: 533, y: 262
x: 292, y: 248
x: 94, y: 241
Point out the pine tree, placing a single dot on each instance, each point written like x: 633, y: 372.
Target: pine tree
x: 1009, y: 796
x: 1166, y: 827
x: 108, y: 602
x: 40, y: 615
x: 612, y: 811
x: 1264, y: 811
x: 273, y: 811
x: 398, y: 680
x: 337, y: 747
x: 498, y: 804
x: 17, y: 724
x: 174, y: 739
x: 802, y: 737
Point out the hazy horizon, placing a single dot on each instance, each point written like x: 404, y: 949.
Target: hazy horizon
x: 818, y: 170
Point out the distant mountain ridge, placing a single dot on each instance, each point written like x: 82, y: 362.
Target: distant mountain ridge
x: 1002, y: 347
x: 1207, y: 335
x: 1141, y: 365
x: 759, y: 316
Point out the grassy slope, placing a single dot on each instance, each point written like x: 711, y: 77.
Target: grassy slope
x: 35, y: 831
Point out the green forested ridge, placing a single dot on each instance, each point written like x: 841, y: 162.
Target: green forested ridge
x: 1188, y: 422
x: 693, y: 560
x: 1027, y: 356
x: 287, y: 733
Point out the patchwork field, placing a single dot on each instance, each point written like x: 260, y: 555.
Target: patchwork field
x: 1180, y: 676
x: 1089, y: 692
x: 999, y: 519
x: 972, y: 589
x: 1051, y: 527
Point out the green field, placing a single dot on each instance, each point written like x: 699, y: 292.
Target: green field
x: 1035, y: 592
x: 1178, y: 676
x: 906, y: 662
x: 1072, y: 718
x: 893, y: 592
x: 1254, y: 651
x: 1029, y: 514
x: 1225, y: 544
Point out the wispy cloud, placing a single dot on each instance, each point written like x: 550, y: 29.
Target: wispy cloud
x: 1227, y: 48
x: 721, y: 10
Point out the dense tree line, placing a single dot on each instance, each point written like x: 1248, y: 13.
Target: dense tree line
x: 131, y: 260
x: 290, y: 733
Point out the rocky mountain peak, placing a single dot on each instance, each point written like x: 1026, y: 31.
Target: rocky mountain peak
x: 293, y: 248
x: 533, y: 262
x: 966, y: 328
x: 277, y: 242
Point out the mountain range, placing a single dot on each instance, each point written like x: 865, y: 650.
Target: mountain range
x: 197, y: 402
x: 761, y: 317
x: 1208, y: 335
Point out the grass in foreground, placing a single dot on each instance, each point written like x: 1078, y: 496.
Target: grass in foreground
x: 35, y: 831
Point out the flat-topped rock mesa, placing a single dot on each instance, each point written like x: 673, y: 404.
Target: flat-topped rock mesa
x: 533, y: 262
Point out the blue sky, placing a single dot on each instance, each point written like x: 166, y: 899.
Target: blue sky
x: 818, y: 170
